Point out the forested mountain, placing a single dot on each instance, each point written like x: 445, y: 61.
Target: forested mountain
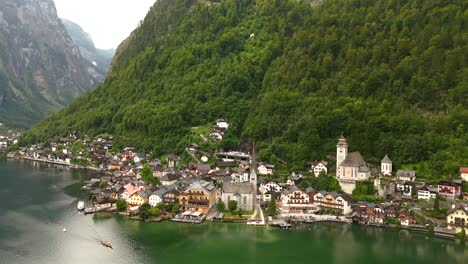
x: 291, y: 75
x: 41, y: 68
x: 99, y: 60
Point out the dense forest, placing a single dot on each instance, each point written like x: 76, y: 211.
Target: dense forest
x: 291, y: 75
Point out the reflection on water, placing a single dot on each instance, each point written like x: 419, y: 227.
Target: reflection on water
x: 42, y: 201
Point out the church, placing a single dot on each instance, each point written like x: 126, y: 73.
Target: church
x: 350, y: 167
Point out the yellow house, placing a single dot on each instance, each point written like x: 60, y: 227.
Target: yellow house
x: 200, y: 196
x: 457, y: 218
x: 139, y: 198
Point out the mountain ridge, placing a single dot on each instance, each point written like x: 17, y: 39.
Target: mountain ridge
x: 291, y: 76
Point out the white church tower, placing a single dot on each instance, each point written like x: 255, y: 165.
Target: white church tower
x: 253, y: 173
x: 386, y: 166
x: 341, y: 154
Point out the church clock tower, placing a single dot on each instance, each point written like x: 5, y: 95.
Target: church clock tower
x: 341, y: 154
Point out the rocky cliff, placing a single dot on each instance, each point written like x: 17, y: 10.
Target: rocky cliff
x: 99, y: 60
x: 41, y: 68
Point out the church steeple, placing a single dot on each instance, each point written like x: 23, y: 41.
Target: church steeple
x: 341, y: 153
x: 253, y: 172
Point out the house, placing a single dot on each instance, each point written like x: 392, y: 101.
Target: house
x: 386, y: 166
x: 222, y: 123
x: 139, y: 158
x: 271, y: 186
x: 369, y: 213
x: 457, y: 218
x: 200, y: 168
x: 130, y: 190
x: 169, y: 179
x: 449, y: 188
x: 265, y: 168
x: 139, y: 198
x: 200, y: 196
x: 406, y: 175
x: 464, y: 173
x: 243, y: 193
x: 391, y: 209
x: 216, y: 136
x: 170, y: 196
x: 296, y: 200
x: 157, y: 197
x: 193, y: 148
x: 172, y: 161
x: 427, y: 193
x: 317, y: 166
x: 333, y: 201
x: 406, y: 218
x: 405, y: 188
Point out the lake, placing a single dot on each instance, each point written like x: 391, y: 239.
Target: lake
x: 39, y: 200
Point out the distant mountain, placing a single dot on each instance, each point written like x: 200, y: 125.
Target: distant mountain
x: 392, y: 75
x: 41, y: 68
x: 99, y: 60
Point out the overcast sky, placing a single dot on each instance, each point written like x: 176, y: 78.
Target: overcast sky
x: 108, y: 22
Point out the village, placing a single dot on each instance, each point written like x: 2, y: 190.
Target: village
x: 238, y: 188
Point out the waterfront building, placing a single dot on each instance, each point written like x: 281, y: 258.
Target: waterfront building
x: 139, y: 198
x: 156, y: 197
x: 242, y: 193
x: 296, y: 200
x: 333, y: 201
x: 457, y: 218
x: 200, y: 196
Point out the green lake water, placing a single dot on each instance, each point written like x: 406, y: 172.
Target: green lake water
x: 38, y: 201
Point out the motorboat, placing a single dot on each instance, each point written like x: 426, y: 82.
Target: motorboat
x: 80, y: 205
x: 64, y: 230
x: 106, y: 244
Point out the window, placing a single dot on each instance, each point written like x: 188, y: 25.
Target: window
x: 245, y: 200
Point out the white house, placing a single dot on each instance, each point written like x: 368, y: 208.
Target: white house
x: 317, y: 167
x: 271, y: 186
x: 265, y: 168
x: 222, y: 123
x: 295, y: 200
x: 157, y: 197
x: 426, y: 193
x: 404, y: 188
x: 386, y: 166
x: 406, y: 175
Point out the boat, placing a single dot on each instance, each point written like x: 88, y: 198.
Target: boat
x: 64, y: 230
x: 80, y: 205
x: 106, y: 244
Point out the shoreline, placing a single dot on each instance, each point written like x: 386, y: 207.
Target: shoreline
x: 439, y: 234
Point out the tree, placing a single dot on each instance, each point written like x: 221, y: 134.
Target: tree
x: 154, y: 212
x: 232, y: 206
x: 121, y: 205
x: 102, y: 184
x: 239, y: 212
x: 175, y: 208
x: 271, y: 209
x: 221, y: 206
x: 161, y: 206
x: 147, y: 175
x: 144, y: 210
x: 437, y: 203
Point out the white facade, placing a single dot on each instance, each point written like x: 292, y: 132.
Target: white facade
x: 155, y: 200
x: 271, y: 187
x: 318, y: 168
x: 386, y: 166
x: 404, y: 188
x: 426, y: 195
x: 341, y: 154
x: 222, y: 124
x: 265, y: 169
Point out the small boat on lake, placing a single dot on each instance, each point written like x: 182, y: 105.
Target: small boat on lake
x: 106, y: 244
x: 80, y: 206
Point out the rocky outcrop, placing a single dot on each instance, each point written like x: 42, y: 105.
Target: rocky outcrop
x: 41, y: 68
